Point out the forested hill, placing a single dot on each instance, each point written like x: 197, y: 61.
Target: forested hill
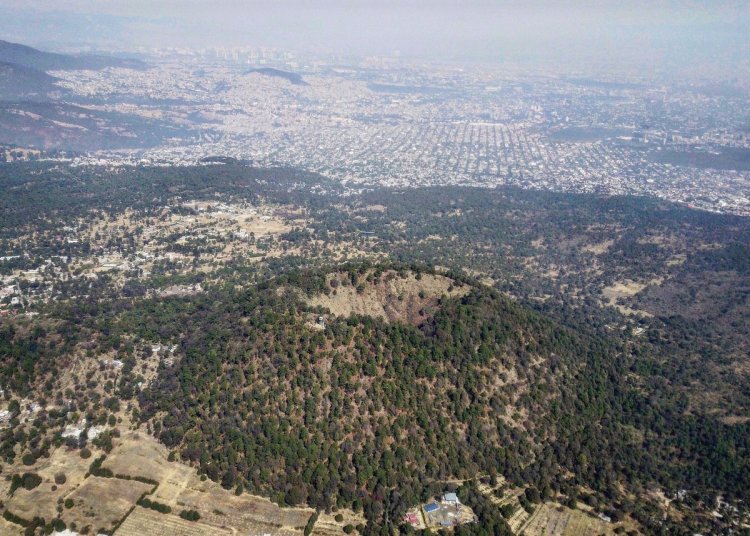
x: 50, y: 61
x: 362, y: 410
x: 293, y: 78
x: 23, y: 83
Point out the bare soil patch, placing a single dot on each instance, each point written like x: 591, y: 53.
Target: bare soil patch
x: 626, y: 289
x: 146, y: 522
x: 103, y: 502
x: 553, y: 519
x: 409, y: 299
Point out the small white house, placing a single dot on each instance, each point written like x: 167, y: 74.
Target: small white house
x: 450, y: 498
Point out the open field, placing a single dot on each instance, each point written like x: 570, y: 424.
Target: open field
x: 623, y: 289
x: 9, y: 529
x: 599, y: 247
x: 42, y: 500
x: 626, y: 289
x: 103, y: 502
x: 139, y: 454
x: 518, y: 520
x: 553, y: 519
x: 510, y: 496
x: 248, y: 514
x: 145, y: 522
x: 392, y: 298
x: 326, y: 525
x: 550, y: 518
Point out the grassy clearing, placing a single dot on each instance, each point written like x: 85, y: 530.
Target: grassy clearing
x: 145, y: 522
x: 553, y: 519
x: 392, y: 298
x: 103, y: 502
x: 626, y: 289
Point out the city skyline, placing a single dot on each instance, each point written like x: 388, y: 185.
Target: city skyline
x: 674, y: 36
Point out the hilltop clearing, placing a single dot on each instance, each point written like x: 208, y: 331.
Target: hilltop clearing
x: 391, y: 296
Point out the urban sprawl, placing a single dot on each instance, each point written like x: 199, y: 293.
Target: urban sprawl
x: 400, y: 124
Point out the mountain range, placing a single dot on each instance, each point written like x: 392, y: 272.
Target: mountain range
x: 50, y: 61
x: 37, y: 113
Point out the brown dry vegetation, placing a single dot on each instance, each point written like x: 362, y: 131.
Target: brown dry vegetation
x: 146, y: 522
x: 326, y: 525
x: 180, y: 487
x: 42, y: 501
x: 9, y: 529
x: 103, y: 502
x: 553, y: 519
x: 410, y: 299
x: 627, y: 289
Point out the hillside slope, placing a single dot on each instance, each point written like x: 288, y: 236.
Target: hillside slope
x: 23, y: 83
x: 50, y: 61
x: 345, y: 414
x: 337, y: 415
x: 59, y: 125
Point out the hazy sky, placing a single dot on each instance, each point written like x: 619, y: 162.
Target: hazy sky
x: 655, y: 31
